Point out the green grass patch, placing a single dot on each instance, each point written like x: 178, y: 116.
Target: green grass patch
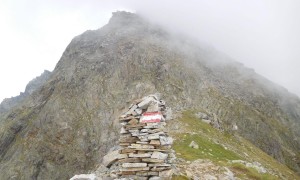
x: 210, y: 139
x: 179, y: 177
x: 207, y: 149
x: 244, y: 172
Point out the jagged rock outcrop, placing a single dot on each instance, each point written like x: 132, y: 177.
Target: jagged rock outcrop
x: 32, y: 86
x: 67, y: 125
x: 37, y: 82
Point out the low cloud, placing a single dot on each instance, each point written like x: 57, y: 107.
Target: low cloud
x: 262, y: 34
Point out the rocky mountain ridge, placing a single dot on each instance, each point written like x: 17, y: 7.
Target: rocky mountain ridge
x: 68, y: 124
x: 32, y: 86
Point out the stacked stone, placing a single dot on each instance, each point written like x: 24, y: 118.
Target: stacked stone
x: 146, y: 147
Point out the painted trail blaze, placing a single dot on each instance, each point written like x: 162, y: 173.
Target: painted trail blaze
x: 149, y: 117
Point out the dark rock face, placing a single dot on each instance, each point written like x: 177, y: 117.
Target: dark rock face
x: 67, y: 124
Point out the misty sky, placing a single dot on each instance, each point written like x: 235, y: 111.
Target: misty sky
x: 262, y: 34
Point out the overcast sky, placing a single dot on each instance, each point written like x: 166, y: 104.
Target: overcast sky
x: 262, y: 34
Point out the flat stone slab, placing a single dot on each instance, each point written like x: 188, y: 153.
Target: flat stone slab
x: 134, y: 131
x: 150, y: 173
x: 129, y: 118
x: 145, y: 130
x: 145, y: 103
x: 159, y: 155
x: 135, y: 126
x: 135, y: 169
x: 152, y: 125
x: 151, y: 150
x: 130, y: 160
x: 84, y: 176
x: 125, y: 173
x: 141, y: 146
x: 159, y: 165
x: 154, y: 136
x: 152, y: 160
x: 144, y: 155
x: 152, y: 131
x: 112, y: 157
x: 142, y: 142
x: 125, y: 151
x: 134, y: 165
x: 124, y: 144
x: 139, y: 134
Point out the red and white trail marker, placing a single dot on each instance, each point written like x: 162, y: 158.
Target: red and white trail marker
x: 150, y: 117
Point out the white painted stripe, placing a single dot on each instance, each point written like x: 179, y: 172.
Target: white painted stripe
x: 158, y: 116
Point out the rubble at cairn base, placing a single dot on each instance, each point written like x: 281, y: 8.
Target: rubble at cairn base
x: 84, y: 177
x: 145, y: 147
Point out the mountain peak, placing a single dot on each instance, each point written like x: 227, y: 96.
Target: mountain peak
x: 71, y: 121
x: 123, y: 18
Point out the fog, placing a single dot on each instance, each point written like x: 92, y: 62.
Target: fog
x: 261, y: 34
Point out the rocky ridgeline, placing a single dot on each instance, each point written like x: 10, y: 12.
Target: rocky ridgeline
x: 145, y: 151
x: 8, y: 103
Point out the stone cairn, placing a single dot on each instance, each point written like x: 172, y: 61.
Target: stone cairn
x: 145, y: 151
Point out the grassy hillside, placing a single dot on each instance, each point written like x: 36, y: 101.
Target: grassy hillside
x: 221, y: 148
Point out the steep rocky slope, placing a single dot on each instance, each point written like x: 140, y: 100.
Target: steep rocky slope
x: 69, y: 123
